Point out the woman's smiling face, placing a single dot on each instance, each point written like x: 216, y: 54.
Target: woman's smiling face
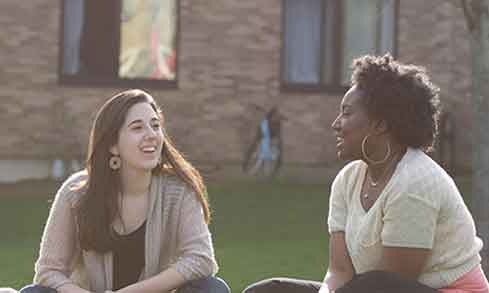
x: 351, y: 126
x: 140, y: 138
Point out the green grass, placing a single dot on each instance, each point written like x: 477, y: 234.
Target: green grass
x: 21, y: 222
x: 264, y: 230
x: 259, y: 230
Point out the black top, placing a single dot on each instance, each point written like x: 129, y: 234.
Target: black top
x: 128, y: 256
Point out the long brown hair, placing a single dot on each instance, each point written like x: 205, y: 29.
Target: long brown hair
x: 98, y: 206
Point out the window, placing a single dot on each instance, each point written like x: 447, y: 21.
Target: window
x: 321, y: 37
x: 114, y: 41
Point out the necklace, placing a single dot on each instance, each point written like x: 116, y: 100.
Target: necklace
x: 373, y: 183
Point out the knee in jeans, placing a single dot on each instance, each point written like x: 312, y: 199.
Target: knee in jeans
x: 263, y: 285
x: 219, y: 285
x: 37, y: 289
x: 206, y: 285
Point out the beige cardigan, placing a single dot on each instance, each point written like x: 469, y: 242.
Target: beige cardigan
x: 176, y: 236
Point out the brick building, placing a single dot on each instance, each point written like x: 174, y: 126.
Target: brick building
x: 233, y: 59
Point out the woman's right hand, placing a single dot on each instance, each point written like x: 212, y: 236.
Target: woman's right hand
x: 325, y: 289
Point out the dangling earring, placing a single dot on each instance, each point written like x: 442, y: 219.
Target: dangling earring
x: 370, y: 160
x: 115, y: 162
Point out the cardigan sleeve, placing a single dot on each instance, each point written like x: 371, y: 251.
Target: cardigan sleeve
x: 58, y: 249
x: 196, y: 254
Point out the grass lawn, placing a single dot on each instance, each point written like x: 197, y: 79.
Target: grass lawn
x: 21, y: 223
x: 260, y: 230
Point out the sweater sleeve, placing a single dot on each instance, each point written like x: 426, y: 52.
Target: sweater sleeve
x: 337, y: 213
x: 196, y: 253
x: 410, y: 221
x: 58, y: 248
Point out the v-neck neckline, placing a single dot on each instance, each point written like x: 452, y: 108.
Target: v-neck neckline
x: 363, y: 173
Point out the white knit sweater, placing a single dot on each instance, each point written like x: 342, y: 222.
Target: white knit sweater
x: 420, y: 207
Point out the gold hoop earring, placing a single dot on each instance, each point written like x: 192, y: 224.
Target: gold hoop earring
x: 370, y: 160
x: 115, y: 162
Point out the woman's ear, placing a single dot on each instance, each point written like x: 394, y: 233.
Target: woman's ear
x: 379, y: 127
x: 114, y: 150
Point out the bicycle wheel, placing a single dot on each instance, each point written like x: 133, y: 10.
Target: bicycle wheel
x: 252, y: 163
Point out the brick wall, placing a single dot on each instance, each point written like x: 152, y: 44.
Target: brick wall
x: 433, y: 34
x: 229, y: 63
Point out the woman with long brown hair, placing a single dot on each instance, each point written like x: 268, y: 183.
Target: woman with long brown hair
x: 136, y: 220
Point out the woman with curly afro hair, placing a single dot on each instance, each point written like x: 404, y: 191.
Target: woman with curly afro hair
x: 397, y: 221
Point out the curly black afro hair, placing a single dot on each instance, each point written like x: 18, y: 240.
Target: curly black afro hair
x: 402, y: 95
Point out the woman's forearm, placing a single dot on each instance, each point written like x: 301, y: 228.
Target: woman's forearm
x: 71, y: 288
x: 163, y: 282
x: 341, y: 268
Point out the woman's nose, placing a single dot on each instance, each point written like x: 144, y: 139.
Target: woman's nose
x: 335, y: 124
x: 150, y: 132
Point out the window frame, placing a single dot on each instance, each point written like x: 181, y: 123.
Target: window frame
x: 336, y: 86
x: 83, y: 81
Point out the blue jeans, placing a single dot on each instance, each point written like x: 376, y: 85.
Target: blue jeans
x: 369, y: 282
x: 205, y: 285
x: 283, y: 285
